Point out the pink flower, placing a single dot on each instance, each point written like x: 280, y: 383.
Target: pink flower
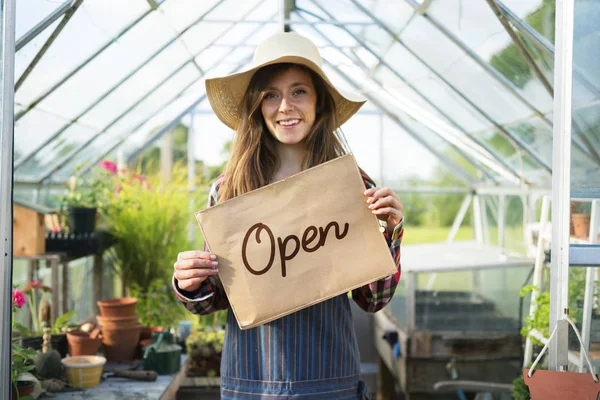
x: 34, y: 283
x: 18, y: 298
x: 109, y: 166
x: 139, y: 178
x: 118, y: 189
x: 56, y: 229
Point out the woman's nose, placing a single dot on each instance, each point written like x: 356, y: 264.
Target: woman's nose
x: 285, y: 106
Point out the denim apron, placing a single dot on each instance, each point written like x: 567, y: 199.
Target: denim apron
x: 310, y: 354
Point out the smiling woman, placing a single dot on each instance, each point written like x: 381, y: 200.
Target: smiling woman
x: 286, y: 114
x: 289, y: 105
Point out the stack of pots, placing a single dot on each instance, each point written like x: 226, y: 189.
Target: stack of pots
x: 120, y: 328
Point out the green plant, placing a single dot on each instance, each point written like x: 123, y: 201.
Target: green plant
x: 32, y: 290
x: 149, y: 220
x: 540, y: 320
x: 156, y: 304
x: 62, y: 324
x: 520, y: 389
x: 204, y: 348
x: 22, y: 358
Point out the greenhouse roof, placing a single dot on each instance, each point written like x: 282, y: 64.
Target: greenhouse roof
x: 470, y: 86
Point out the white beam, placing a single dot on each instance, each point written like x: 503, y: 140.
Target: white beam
x: 7, y: 86
x: 561, y: 183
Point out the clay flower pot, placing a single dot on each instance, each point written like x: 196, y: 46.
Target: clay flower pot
x: 561, y: 385
x: 118, y: 307
x: 117, y: 322
x: 581, y: 225
x: 120, y: 344
x: 24, y: 388
x: 81, y: 344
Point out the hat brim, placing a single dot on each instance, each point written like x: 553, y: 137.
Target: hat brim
x: 225, y: 94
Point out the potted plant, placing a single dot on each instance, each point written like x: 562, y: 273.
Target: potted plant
x: 204, y: 345
x: 81, y: 203
x: 148, y: 219
x: 39, y: 308
x: 22, y: 357
x: 580, y: 219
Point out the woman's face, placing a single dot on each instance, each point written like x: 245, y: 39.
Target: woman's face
x: 289, y: 106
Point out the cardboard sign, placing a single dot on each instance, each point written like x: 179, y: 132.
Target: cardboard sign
x: 294, y: 243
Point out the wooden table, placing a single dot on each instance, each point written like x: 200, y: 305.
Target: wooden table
x: 164, y: 388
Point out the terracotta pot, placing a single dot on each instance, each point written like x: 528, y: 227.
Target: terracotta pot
x: 561, y: 385
x: 118, y: 307
x: 117, y: 322
x: 581, y: 225
x: 81, y: 344
x: 120, y: 344
x: 24, y: 388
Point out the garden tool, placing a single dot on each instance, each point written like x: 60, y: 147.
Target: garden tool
x: 148, y: 376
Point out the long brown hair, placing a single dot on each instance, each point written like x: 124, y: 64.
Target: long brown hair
x: 254, y: 159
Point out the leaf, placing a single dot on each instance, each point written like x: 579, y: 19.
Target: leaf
x: 62, y: 321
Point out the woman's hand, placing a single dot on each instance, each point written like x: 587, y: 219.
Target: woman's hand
x: 193, y: 267
x: 386, y: 204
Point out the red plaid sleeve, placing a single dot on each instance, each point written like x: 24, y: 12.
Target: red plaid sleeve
x: 376, y: 295
x: 210, y: 296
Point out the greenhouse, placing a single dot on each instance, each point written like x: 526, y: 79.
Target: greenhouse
x: 482, y: 117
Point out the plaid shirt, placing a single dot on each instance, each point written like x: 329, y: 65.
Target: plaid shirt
x: 312, y: 353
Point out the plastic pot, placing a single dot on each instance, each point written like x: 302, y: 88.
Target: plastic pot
x: 82, y: 219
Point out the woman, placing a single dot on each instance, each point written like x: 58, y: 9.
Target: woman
x: 286, y: 114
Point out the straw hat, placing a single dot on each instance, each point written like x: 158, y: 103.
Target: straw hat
x: 225, y: 94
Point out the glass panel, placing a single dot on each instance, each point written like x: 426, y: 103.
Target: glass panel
x: 54, y: 153
x: 479, y: 28
x: 109, y: 68
x: 585, y: 177
x: 159, y: 99
x: 182, y: 13
x: 539, y: 14
x: 95, y: 23
x: 31, y: 12
x: 34, y: 128
x: 137, y: 86
x: 24, y: 56
x: 462, y: 72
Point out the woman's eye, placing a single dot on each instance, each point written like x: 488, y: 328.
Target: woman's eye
x: 299, y: 91
x: 270, y: 96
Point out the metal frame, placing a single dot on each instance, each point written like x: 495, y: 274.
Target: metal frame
x: 43, y: 24
x: 521, y: 47
x: 7, y: 65
x: 70, y: 74
x: 586, y: 147
x: 588, y: 300
x: 561, y: 184
x: 461, y: 151
x: 533, y: 35
x: 412, y: 87
x: 172, y: 99
x: 48, y: 140
x: 68, y: 15
x: 175, y: 120
x: 486, y: 116
x: 442, y: 157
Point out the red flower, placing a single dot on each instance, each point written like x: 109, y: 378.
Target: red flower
x: 109, y: 166
x: 139, y: 178
x: 18, y: 298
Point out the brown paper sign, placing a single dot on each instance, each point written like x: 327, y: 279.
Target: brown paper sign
x: 297, y: 242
